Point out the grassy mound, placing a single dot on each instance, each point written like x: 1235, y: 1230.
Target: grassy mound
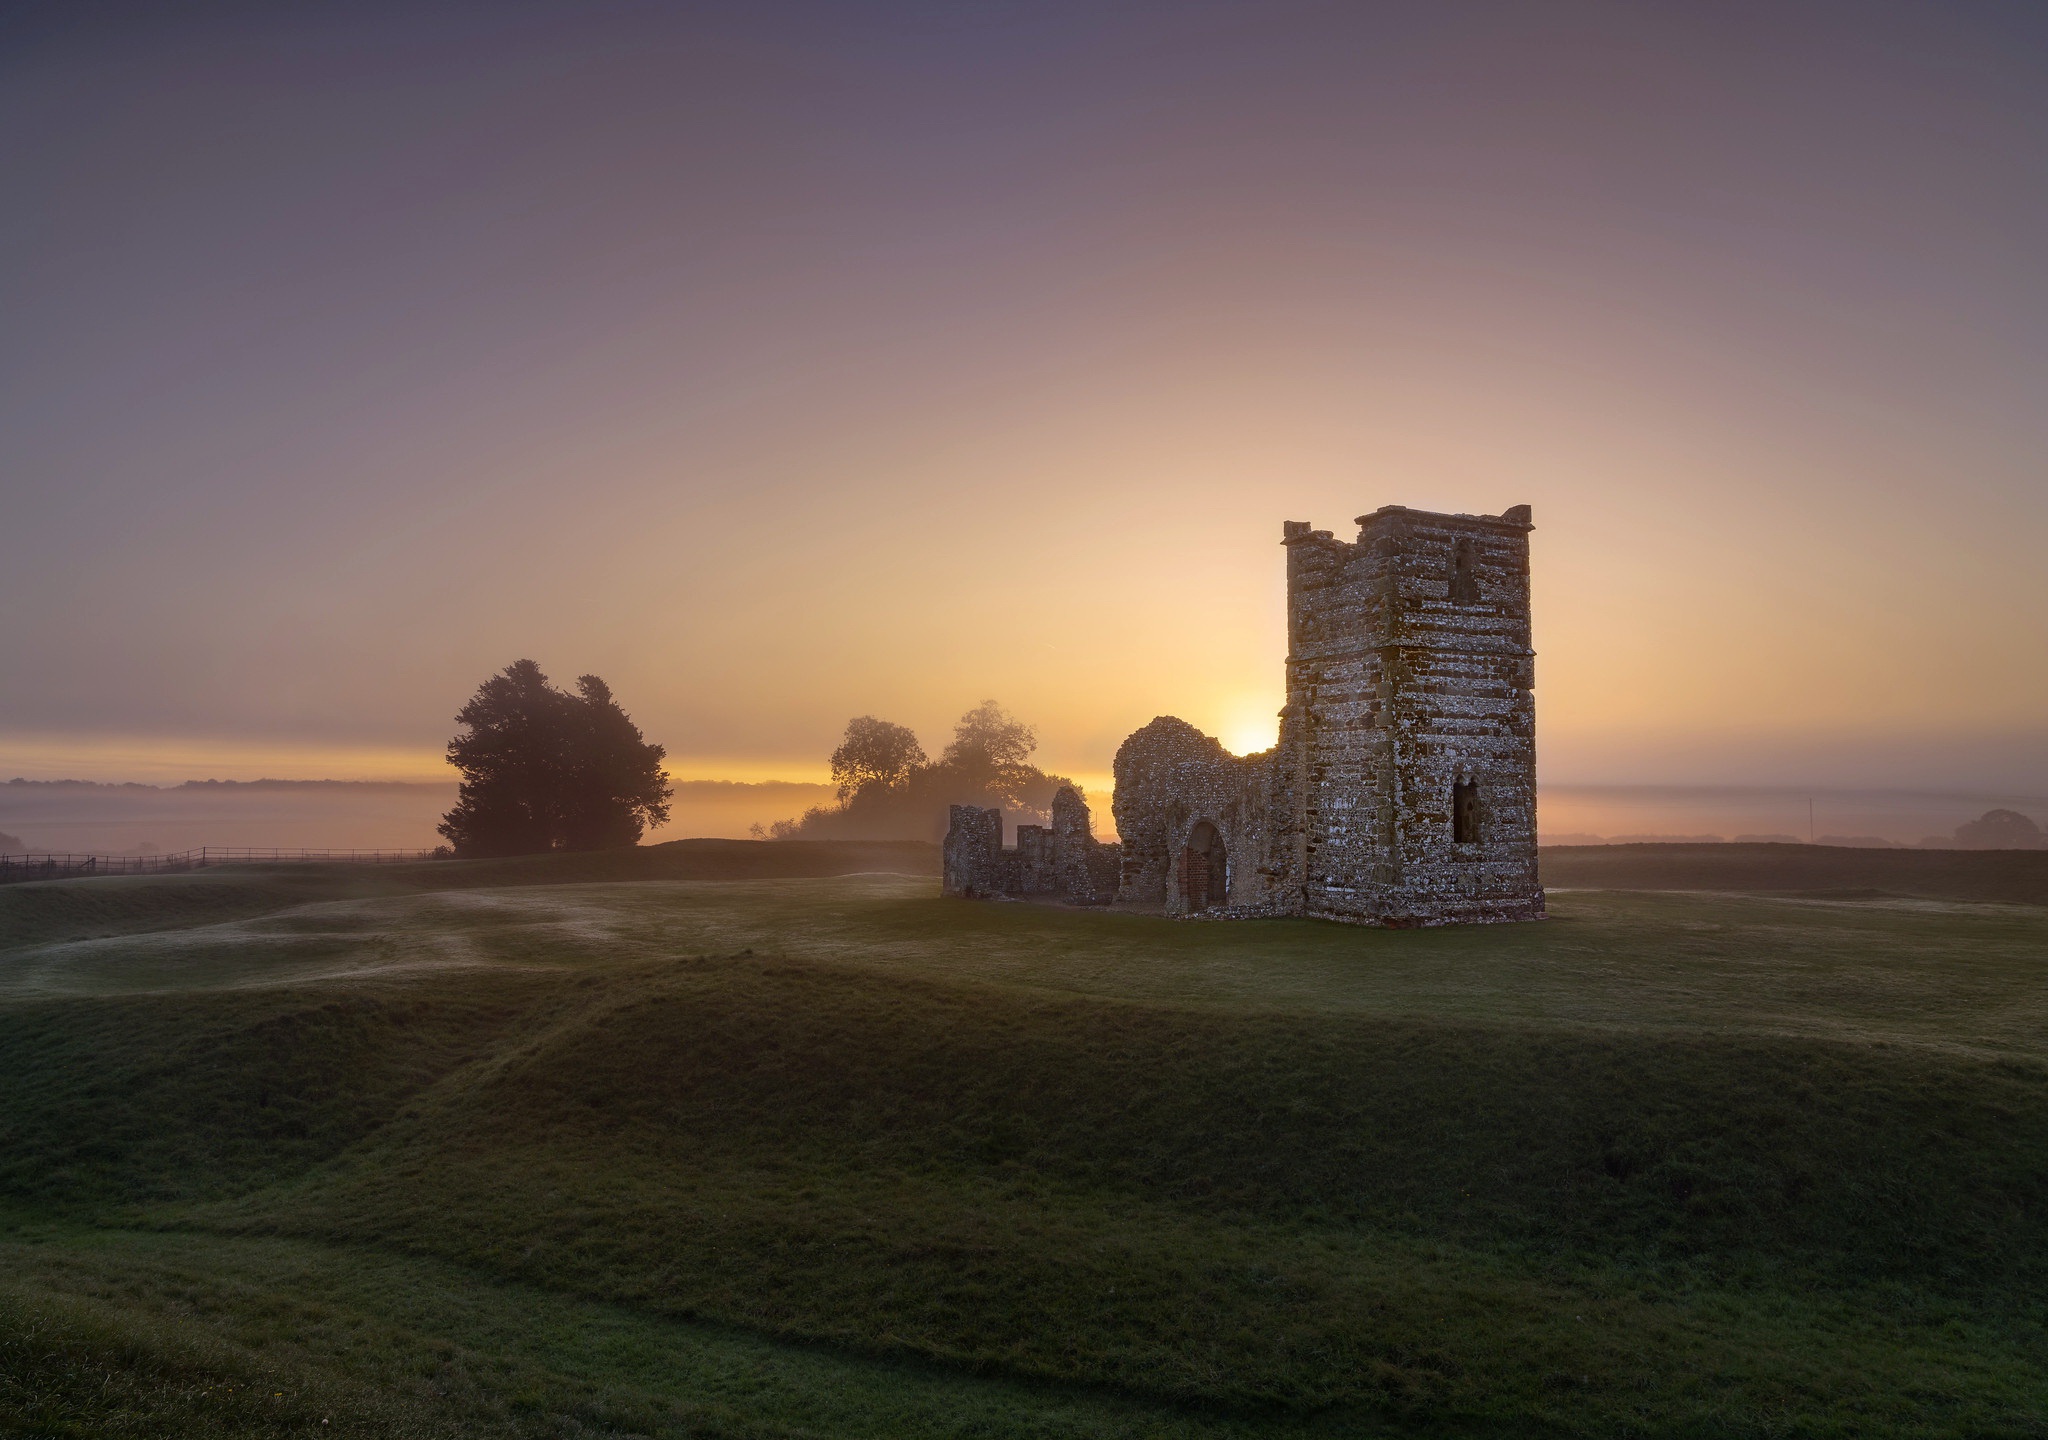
x: 40, y: 912
x: 946, y: 1168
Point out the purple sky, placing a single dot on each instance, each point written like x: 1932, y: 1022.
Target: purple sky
x: 784, y: 363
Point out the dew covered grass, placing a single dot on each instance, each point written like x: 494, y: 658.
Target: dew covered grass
x: 823, y: 1154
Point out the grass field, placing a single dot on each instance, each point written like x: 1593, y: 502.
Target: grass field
x: 669, y: 1143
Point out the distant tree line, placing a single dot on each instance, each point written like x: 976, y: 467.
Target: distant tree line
x: 2000, y: 830
x: 889, y: 789
x: 544, y: 769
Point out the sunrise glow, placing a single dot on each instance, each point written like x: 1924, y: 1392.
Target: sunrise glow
x: 789, y: 414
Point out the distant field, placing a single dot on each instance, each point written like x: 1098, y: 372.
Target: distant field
x: 720, y: 1139
x: 2012, y: 876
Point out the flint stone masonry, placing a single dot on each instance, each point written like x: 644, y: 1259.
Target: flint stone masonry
x: 1062, y: 861
x: 1403, y: 788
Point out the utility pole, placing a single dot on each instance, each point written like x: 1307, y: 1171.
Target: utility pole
x: 1809, y: 820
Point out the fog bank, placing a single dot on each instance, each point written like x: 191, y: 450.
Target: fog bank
x: 72, y: 815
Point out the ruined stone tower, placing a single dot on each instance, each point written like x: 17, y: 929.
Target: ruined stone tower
x: 1403, y: 787
x: 1407, y: 757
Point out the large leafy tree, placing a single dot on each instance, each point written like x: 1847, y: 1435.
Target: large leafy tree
x: 874, y: 752
x: 543, y: 769
x: 989, y: 752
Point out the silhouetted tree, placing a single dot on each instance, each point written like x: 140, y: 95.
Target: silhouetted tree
x: 888, y: 792
x: 989, y: 751
x: 2000, y: 830
x: 615, y: 787
x: 874, y: 752
x: 510, y: 764
x: 546, y: 770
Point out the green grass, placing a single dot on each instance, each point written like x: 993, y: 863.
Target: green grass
x: 58, y: 911
x: 434, y: 1154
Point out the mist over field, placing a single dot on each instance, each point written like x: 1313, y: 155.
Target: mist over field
x: 1589, y: 814
x: 321, y: 814
x: 122, y: 819
x: 736, y: 1139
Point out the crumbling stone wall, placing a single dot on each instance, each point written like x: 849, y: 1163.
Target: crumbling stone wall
x: 1062, y: 860
x: 1403, y: 787
x: 1171, y: 780
x: 971, y: 855
x: 1083, y: 868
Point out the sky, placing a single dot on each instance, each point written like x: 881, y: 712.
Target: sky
x: 782, y: 363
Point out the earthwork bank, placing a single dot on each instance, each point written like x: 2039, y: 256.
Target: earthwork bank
x: 731, y: 1139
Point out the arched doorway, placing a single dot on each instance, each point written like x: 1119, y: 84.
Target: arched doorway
x: 1205, y: 869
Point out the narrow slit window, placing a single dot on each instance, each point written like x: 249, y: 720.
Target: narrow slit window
x: 1465, y: 812
x: 1464, y: 575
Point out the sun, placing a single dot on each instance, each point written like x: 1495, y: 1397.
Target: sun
x: 1250, y: 726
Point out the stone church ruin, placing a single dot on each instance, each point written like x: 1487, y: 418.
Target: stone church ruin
x: 1402, y: 790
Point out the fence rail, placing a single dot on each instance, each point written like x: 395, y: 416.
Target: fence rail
x: 69, y: 867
